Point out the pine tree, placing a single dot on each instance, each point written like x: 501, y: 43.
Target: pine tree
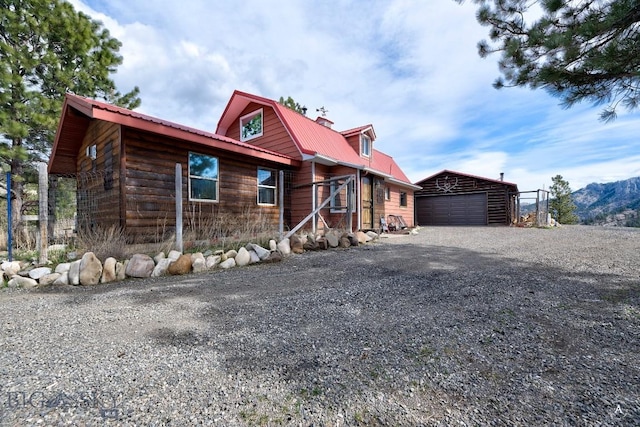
x: 47, y: 49
x: 561, y: 202
x: 578, y: 50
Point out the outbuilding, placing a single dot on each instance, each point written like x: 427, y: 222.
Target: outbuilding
x: 454, y: 198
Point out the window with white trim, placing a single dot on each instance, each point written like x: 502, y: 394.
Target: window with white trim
x: 267, y: 187
x: 365, y: 145
x: 203, y: 177
x: 251, y: 125
x: 387, y: 193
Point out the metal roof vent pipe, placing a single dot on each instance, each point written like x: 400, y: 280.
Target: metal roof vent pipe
x: 501, y: 176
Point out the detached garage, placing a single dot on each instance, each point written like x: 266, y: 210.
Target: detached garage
x: 454, y: 198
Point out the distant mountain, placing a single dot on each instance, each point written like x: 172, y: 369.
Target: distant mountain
x: 614, y: 203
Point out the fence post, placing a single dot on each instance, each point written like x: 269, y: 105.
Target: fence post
x: 281, y: 204
x: 9, y: 222
x: 43, y: 211
x: 179, y: 244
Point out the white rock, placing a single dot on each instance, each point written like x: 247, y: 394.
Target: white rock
x: 121, y: 268
x: 231, y: 254
x: 262, y: 252
x: 109, y: 270
x: 90, y: 269
x: 242, y: 257
x: 63, y: 268
x: 254, y: 257
x: 37, y: 273
x: 284, y: 247
x: 74, y: 273
x: 174, y: 255
x: 161, y: 267
x: 48, y: 279
x: 228, y: 263
x: 140, y: 265
x: 63, y: 279
x: 22, y: 282
x: 372, y: 234
x: 213, y: 261
x: 11, y: 268
x: 199, y: 264
x: 273, y: 245
x: 158, y: 257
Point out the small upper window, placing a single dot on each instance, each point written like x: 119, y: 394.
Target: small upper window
x: 403, y: 199
x: 387, y: 193
x: 251, y: 125
x: 203, y: 177
x: 267, y: 186
x: 365, y: 145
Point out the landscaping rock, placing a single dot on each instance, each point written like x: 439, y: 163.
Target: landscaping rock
x: 362, y: 237
x: 140, y: 265
x: 284, y: 247
x: 213, y: 261
x: 259, y: 250
x: 63, y: 279
x: 23, y: 282
x: 254, y: 257
x: 162, y: 267
x: 273, y: 245
x: 332, y: 240
x: 180, y: 266
x: 159, y: 257
x: 243, y: 257
x: 373, y: 235
x: 48, y: 279
x: 231, y: 254
x: 353, y: 239
x: 90, y: 269
x: 274, y: 257
x: 74, y: 273
x: 174, y: 255
x: 63, y: 267
x: 297, y: 246
x: 37, y: 273
x: 344, y: 242
x: 109, y: 270
x: 10, y: 268
x: 121, y: 268
x: 228, y: 263
x: 199, y: 264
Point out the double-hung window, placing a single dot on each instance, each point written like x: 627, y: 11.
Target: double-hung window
x: 267, y: 186
x: 203, y: 177
x: 403, y: 199
x: 365, y: 145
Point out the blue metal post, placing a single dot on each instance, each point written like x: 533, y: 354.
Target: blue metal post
x: 9, y: 235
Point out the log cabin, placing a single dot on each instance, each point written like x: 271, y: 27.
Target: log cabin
x: 230, y: 172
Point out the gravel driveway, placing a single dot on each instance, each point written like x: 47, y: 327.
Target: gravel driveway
x: 453, y: 326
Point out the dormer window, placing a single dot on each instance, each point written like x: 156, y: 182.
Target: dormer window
x: 365, y: 145
x: 251, y: 125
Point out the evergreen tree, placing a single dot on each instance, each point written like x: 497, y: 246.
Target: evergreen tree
x: 561, y: 202
x: 290, y: 103
x: 577, y: 50
x: 47, y: 49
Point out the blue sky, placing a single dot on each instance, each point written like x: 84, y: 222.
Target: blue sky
x: 409, y: 67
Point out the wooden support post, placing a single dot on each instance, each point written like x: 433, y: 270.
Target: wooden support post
x: 179, y: 243
x: 43, y: 211
x: 281, y: 204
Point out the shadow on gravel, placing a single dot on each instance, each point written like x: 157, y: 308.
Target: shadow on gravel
x: 417, y: 322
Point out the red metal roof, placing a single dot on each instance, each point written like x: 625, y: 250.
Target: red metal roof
x: 312, y: 138
x: 72, y: 127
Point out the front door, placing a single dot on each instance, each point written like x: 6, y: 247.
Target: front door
x: 367, y: 202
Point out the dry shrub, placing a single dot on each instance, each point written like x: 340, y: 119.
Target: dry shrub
x: 207, y: 225
x: 103, y: 242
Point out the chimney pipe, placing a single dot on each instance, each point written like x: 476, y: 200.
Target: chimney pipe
x: 501, y: 176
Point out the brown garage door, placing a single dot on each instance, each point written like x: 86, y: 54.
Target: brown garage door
x: 462, y: 209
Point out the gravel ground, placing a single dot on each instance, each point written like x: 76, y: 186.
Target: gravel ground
x: 453, y: 326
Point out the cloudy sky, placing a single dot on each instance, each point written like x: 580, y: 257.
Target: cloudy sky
x: 409, y: 67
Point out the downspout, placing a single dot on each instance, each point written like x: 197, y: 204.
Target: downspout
x: 313, y: 195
